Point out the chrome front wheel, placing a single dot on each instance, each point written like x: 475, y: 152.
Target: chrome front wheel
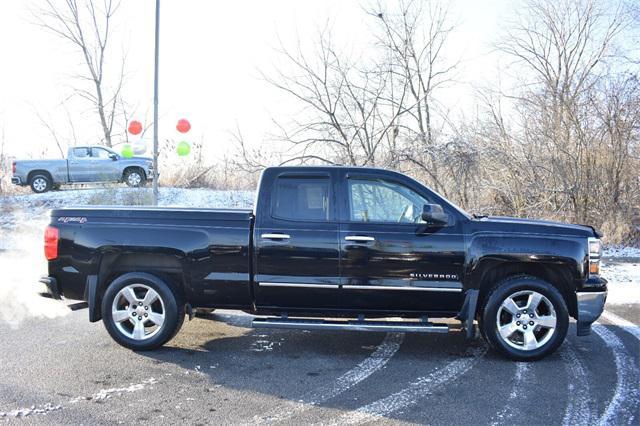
x: 526, y: 320
x: 524, y: 317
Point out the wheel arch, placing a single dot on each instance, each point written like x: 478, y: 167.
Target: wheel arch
x: 135, y: 167
x: 168, y: 267
x: 493, y: 273
x: 35, y: 172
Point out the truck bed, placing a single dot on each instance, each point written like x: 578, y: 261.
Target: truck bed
x: 207, y: 249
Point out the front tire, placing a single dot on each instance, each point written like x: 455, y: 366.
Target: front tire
x: 141, y: 311
x: 40, y: 183
x: 134, y: 178
x: 525, y: 318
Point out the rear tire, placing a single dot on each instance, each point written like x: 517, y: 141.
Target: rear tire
x: 40, y: 183
x: 525, y: 318
x: 141, y: 311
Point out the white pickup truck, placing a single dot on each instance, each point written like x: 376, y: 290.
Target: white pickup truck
x: 84, y: 164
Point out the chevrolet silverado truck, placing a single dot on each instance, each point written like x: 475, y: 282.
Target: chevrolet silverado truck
x: 84, y: 164
x: 330, y: 248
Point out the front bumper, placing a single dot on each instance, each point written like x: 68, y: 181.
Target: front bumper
x: 53, y: 291
x: 590, y: 307
x: 16, y: 180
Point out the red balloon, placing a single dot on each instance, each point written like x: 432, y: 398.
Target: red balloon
x: 135, y: 127
x: 183, y: 125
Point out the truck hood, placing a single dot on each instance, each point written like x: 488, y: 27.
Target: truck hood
x: 514, y: 224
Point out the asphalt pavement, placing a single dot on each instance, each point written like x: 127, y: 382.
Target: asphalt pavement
x: 218, y: 370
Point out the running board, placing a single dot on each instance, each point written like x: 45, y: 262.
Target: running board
x: 387, y: 326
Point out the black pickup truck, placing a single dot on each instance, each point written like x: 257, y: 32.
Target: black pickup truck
x: 330, y: 248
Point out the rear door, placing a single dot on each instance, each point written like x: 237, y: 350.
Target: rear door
x: 391, y: 260
x: 79, y: 164
x: 296, y: 243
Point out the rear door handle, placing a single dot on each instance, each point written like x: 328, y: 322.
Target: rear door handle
x: 359, y: 238
x: 275, y: 236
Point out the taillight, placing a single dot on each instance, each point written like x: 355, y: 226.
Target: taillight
x: 13, y: 167
x: 51, y: 237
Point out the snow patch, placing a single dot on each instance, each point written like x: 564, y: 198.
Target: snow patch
x: 25, y: 412
x: 422, y: 387
x: 374, y: 362
x: 626, y: 398
x: 624, y: 282
x: 621, y: 251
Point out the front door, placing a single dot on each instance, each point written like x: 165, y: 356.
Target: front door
x: 104, y: 168
x: 391, y: 259
x: 296, y: 244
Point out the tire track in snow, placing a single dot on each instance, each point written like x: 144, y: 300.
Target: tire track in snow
x: 507, y: 414
x: 627, y: 326
x: 579, y: 410
x: 410, y: 395
x: 360, y: 372
x: 625, y: 402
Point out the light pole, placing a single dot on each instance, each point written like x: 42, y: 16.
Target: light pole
x: 155, y: 107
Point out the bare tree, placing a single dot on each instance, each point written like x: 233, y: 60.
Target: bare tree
x: 87, y: 25
x: 346, y: 115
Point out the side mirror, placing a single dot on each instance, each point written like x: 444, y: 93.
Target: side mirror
x: 114, y: 157
x: 434, y: 215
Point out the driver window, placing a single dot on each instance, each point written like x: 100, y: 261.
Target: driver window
x: 384, y: 201
x: 100, y: 153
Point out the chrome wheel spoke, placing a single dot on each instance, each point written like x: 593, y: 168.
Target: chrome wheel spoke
x: 130, y: 295
x: 530, y: 341
x: 150, y: 297
x: 547, y: 321
x: 510, y: 306
x: 534, y: 301
x: 138, y: 330
x: 120, y: 316
x: 507, y: 330
x: 156, y: 318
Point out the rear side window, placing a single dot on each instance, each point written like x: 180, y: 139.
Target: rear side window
x: 301, y: 199
x: 80, y: 152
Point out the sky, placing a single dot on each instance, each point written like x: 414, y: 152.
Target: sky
x: 211, y: 57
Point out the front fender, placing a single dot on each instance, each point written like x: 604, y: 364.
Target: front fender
x: 487, y: 251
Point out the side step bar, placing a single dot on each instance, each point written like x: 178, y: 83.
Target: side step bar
x: 388, y: 326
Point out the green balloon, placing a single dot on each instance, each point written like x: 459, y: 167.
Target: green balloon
x: 184, y: 148
x: 127, y: 151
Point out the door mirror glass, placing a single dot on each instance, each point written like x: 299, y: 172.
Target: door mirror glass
x: 433, y: 214
x: 114, y: 157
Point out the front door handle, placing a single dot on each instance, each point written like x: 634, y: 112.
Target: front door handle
x: 275, y: 236
x: 359, y: 238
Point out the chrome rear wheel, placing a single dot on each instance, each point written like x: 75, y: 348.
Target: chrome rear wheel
x: 138, y: 312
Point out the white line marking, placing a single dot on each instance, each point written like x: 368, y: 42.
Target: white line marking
x: 626, y: 398
x: 421, y: 388
x: 364, y: 369
x: 627, y: 326
x: 579, y: 411
x: 507, y: 414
